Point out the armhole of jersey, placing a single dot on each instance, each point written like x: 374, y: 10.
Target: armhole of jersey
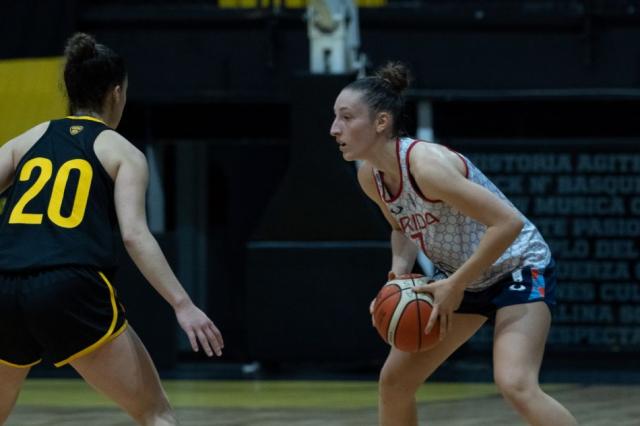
x: 26, y: 154
x: 412, y: 181
x: 376, y: 182
x: 382, y: 187
x: 464, y: 161
x: 394, y: 197
x: 95, y: 158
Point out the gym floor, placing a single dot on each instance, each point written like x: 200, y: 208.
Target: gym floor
x: 314, y: 403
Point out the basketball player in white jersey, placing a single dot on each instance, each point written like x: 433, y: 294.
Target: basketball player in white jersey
x: 493, y: 261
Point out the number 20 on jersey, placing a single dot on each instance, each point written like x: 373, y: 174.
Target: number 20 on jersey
x: 54, y: 210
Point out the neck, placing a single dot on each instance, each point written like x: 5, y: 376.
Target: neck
x: 384, y: 157
x: 88, y: 113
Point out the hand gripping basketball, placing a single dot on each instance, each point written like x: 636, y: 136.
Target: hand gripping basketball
x: 400, y: 315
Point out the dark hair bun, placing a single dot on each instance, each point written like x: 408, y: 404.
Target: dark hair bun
x: 80, y: 48
x: 396, y: 74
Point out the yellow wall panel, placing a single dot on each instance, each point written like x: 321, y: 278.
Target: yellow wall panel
x: 31, y: 91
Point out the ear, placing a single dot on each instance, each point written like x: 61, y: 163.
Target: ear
x: 117, y: 93
x: 383, y: 122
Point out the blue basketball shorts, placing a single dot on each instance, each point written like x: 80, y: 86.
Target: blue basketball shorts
x: 525, y: 285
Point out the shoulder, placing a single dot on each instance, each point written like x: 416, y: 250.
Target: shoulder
x: 113, y: 150
x: 36, y: 132
x: 19, y: 145
x: 425, y: 157
x: 30, y: 136
x: 437, y: 170
x: 113, y: 142
x: 432, y: 161
x: 111, y: 137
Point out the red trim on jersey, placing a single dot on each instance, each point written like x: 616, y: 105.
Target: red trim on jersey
x: 393, y: 197
x: 379, y: 188
x: 412, y: 181
x: 464, y: 161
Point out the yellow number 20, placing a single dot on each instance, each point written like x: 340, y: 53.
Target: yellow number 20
x: 54, y: 211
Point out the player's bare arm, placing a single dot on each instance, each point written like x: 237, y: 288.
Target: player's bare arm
x: 12, y: 151
x: 403, y: 250
x: 368, y: 185
x: 439, y: 176
x: 6, y: 166
x: 128, y: 167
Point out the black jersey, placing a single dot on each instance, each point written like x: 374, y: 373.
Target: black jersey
x: 59, y: 209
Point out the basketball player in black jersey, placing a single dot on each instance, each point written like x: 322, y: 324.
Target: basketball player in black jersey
x: 69, y: 185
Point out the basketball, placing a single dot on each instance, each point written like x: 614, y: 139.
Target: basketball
x: 401, y: 315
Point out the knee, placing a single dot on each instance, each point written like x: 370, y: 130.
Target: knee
x: 393, y: 384
x: 515, y: 387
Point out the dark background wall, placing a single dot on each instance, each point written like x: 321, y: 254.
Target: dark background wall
x: 260, y: 205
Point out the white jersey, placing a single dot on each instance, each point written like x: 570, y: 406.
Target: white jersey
x: 447, y: 236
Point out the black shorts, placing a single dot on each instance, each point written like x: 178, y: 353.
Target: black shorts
x: 59, y: 314
x: 524, y: 285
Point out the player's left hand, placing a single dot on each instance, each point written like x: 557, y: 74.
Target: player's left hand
x: 446, y: 299
x: 390, y: 276
x: 200, y: 329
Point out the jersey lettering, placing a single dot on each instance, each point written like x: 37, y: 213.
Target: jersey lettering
x: 417, y: 222
x: 54, y: 210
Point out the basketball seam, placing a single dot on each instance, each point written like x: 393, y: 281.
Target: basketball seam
x: 378, y: 305
x: 395, y: 315
x: 400, y: 289
x: 399, y: 313
x: 404, y: 308
x: 379, y: 302
x: 415, y: 297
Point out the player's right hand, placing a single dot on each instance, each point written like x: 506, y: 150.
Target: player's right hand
x: 371, y: 306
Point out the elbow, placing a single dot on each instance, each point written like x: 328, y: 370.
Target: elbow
x: 132, y: 238
x: 516, y: 224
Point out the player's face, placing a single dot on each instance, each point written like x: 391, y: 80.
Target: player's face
x: 352, y: 127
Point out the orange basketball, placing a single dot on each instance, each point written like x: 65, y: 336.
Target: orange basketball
x: 400, y: 315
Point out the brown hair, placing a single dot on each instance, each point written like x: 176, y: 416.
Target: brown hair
x: 90, y: 71
x: 384, y: 92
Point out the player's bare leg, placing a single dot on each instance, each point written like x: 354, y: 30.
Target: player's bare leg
x: 11, y: 380
x: 520, y: 336
x: 123, y: 371
x: 403, y: 373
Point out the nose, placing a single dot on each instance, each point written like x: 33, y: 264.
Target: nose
x: 334, y: 131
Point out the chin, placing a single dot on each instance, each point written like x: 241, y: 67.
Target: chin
x: 348, y: 156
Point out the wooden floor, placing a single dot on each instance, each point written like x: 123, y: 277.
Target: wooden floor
x: 315, y: 403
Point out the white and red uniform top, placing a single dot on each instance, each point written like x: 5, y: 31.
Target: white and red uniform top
x: 447, y: 236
